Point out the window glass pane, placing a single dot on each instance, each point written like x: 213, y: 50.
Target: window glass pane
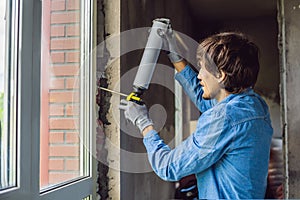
x: 61, y: 149
x: 7, y: 118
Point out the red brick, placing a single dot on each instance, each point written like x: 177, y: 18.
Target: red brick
x: 58, y: 5
x: 72, y: 164
x: 72, y: 138
x: 63, y: 97
x: 56, y: 164
x: 72, y: 83
x: 63, y: 124
x: 56, y: 110
x: 65, y: 17
x: 73, y: 56
x: 57, y: 31
x: 73, y: 4
x: 55, y: 177
x: 73, y: 30
x: 72, y: 110
x: 57, y: 84
x: 63, y: 151
x: 65, y: 70
x: 57, y: 57
x: 65, y: 44
x: 56, y: 137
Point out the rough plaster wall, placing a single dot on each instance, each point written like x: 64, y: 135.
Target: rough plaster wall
x: 108, y: 73
x: 101, y: 151
x: 112, y: 27
x: 140, y: 14
x: 290, y: 93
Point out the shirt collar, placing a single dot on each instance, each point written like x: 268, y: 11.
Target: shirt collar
x: 247, y: 91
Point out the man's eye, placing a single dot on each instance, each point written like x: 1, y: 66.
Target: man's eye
x: 199, y: 65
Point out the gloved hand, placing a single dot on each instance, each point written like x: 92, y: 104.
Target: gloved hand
x: 171, y: 46
x: 137, y: 114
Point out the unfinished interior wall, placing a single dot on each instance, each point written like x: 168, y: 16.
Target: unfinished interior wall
x: 136, y: 14
x: 258, y: 20
x: 108, y: 75
x: 289, y: 14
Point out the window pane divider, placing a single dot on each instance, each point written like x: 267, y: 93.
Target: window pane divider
x: 28, y: 97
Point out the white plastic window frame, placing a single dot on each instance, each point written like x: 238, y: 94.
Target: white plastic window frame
x: 26, y: 61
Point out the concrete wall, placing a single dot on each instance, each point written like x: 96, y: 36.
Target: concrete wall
x: 108, y: 74
x: 136, y: 14
x: 289, y: 13
x: 112, y: 26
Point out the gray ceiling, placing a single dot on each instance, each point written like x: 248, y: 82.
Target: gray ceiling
x: 229, y: 9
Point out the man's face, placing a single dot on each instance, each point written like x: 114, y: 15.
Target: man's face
x: 210, y: 84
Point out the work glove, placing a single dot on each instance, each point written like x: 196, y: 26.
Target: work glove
x: 136, y: 114
x: 171, y: 46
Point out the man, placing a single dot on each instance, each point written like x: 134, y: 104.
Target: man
x: 229, y: 150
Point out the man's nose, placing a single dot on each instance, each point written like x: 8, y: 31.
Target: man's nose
x: 199, y: 76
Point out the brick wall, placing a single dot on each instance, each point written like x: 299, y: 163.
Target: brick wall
x: 63, y: 91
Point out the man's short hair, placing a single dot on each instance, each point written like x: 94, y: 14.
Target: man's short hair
x: 233, y: 54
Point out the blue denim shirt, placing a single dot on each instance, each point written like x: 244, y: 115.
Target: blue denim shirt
x: 229, y: 150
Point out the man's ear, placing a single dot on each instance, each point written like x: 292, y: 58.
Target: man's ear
x: 221, y: 77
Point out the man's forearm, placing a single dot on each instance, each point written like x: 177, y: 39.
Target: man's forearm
x: 179, y: 66
x: 146, y: 130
